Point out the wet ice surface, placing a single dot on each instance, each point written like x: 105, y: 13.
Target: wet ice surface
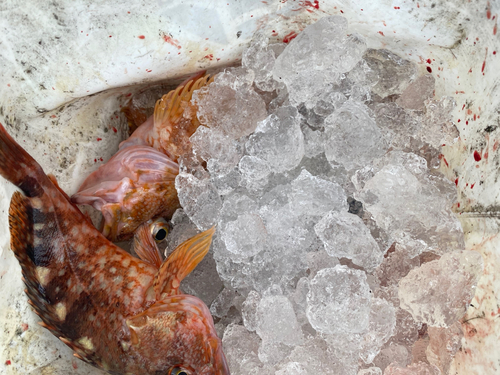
x: 336, y: 244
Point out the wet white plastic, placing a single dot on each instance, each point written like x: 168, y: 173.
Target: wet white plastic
x: 53, y: 54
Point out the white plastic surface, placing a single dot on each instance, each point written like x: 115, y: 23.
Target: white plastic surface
x: 61, y: 53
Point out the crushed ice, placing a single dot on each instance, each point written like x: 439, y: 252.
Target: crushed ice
x: 336, y: 245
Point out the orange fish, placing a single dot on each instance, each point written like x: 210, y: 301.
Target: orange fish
x: 117, y: 312
x: 138, y: 182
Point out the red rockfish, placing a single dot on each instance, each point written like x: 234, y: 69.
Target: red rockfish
x: 117, y: 312
x: 138, y: 183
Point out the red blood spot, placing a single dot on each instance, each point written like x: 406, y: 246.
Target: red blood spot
x: 148, y: 70
x: 209, y: 57
x: 494, y: 52
x: 477, y: 156
x: 463, y: 107
x: 8, y: 84
x: 441, y: 156
x: 111, y: 36
x: 168, y: 39
x: 129, y: 94
x: 458, y: 204
x: 467, y: 122
x: 458, y: 120
x: 495, y: 29
x: 289, y: 37
x: 128, y: 12
x: 53, y: 116
x: 381, y: 33
x: 484, y: 64
x: 418, y: 5
x: 141, y: 37
x: 488, y: 13
x: 472, y: 186
x: 456, y: 181
x: 99, y: 139
x: 53, y: 88
x: 341, y: 11
x: 95, y: 160
x: 397, y: 8
x: 114, y: 129
x: 474, y: 117
x: 428, y: 61
x: 485, y: 155
x: 429, y: 69
x: 101, y: 159
x: 73, y: 362
x: 24, y: 327
x: 8, y: 362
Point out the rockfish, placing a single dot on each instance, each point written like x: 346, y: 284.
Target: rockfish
x: 138, y: 183
x: 116, y: 312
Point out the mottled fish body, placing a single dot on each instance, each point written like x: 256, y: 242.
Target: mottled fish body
x: 117, y: 312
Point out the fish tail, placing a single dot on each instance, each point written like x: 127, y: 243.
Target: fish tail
x: 18, y: 167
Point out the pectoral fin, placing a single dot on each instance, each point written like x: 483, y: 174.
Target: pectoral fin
x: 181, y: 262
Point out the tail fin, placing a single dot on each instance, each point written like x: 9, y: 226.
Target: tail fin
x: 17, y: 166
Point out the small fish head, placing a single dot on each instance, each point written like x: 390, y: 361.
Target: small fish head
x: 177, y: 337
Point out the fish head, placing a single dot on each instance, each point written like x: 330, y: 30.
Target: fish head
x: 177, y: 336
x: 135, y: 185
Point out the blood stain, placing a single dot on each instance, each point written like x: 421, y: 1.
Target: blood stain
x: 477, y: 156
x: 141, y: 37
x: 429, y: 69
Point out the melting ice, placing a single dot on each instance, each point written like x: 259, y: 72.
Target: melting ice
x: 336, y: 247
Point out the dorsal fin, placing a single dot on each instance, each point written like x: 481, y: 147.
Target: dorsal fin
x: 181, y: 262
x: 145, y: 246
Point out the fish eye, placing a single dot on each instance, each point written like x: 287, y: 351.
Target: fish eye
x: 177, y: 371
x: 159, y: 230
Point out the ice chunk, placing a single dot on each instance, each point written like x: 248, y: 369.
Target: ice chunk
x: 437, y: 126
x: 313, y: 196
x: 199, y: 199
x: 226, y: 299
x: 336, y: 293
x: 417, y: 92
x: 249, y: 310
x: 246, y: 236
x: 380, y: 329
x: 278, y: 328
x: 394, y: 73
x: 352, y: 138
x: 260, y: 58
x: 323, y: 45
x: 230, y: 104
x: 278, y: 140
x: 346, y: 236
x: 313, y: 141
x: 292, y: 368
x: 413, y: 369
x: 241, y: 349
x: 254, y: 172
x: 370, y: 371
x: 221, y: 152
x: 443, y: 344
x: 393, y: 353
x: 438, y: 292
x: 396, y: 265
x: 408, y: 204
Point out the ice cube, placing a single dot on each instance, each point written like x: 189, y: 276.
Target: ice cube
x: 230, y: 104
x: 278, y: 140
x: 392, y: 353
x: 346, y: 236
x: 313, y: 196
x: 438, y: 292
x: 443, y: 344
x: 352, y: 138
x: 380, y: 329
x: 249, y: 310
x: 199, y: 199
x: 241, y: 349
x: 260, y: 58
x: 336, y: 293
x: 394, y: 73
x: 246, y: 236
x: 292, y: 368
x: 417, y: 92
x: 220, y: 151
